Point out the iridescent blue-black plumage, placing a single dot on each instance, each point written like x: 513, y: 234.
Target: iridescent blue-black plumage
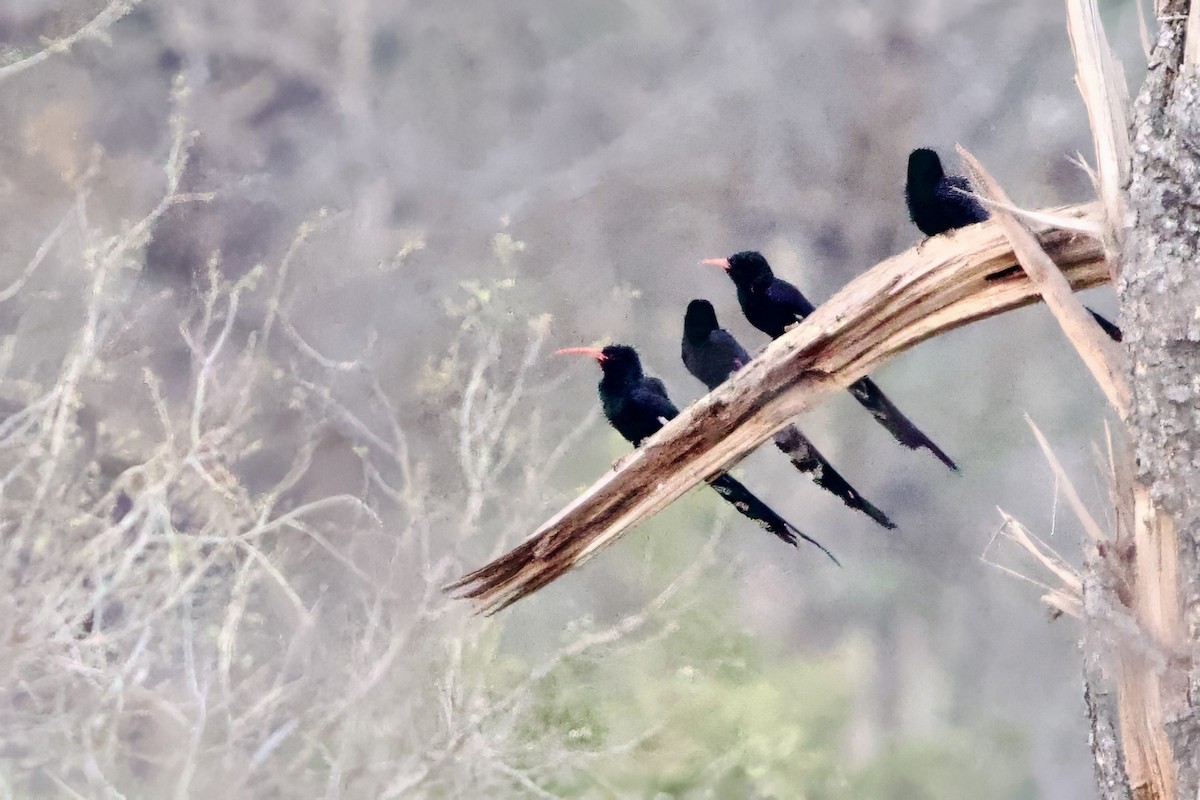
x: 637, y: 406
x: 936, y: 204
x: 1110, y: 328
x: 936, y: 201
x: 769, y: 303
x: 772, y: 304
x: 711, y: 354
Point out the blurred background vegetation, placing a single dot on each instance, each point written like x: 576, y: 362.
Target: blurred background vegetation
x: 278, y: 286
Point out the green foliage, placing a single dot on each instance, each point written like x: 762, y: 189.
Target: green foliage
x: 701, y: 711
x: 985, y: 765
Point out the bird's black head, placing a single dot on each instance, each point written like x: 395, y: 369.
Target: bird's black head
x: 621, y: 362
x: 748, y: 266
x: 699, y: 321
x: 618, y: 362
x: 924, y: 168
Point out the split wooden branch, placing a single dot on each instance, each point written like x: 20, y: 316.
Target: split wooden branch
x: 1103, y: 357
x: 1101, y: 80
x: 944, y: 283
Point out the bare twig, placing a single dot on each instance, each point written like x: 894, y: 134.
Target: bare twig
x: 1089, y: 523
x: 95, y: 28
x: 39, y: 256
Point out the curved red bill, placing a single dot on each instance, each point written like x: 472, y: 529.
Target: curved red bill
x: 594, y: 352
x: 723, y: 263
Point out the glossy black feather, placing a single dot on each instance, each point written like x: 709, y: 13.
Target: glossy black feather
x: 709, y: 351
x: 805, y: 457
x: 886, y: 414
x: 772, y: 304
x: 936, y: 202
x: 752, y: 508
x: 769, y: 303
x: 638, y: 406
x: 1110, y: 328
x: 711, y: 354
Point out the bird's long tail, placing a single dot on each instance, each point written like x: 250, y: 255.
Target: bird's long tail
x: 886, y: 414
x: 808, y: 459
x: 1109, y: 327
x: 752, y: 508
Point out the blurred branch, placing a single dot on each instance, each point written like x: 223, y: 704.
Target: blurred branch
x: 943, y: 284
x: 39, y: 256
x: 95, y: 28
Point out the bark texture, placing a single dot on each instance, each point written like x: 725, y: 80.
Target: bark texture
x: 1159, y: 289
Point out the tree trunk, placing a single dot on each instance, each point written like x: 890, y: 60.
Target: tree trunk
x: 1159, y: 289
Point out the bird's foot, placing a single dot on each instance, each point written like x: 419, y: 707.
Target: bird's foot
x: 619, y: 463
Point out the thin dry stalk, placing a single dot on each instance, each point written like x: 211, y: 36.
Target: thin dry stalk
x: 1064, y: 481
x: 1072, y: 583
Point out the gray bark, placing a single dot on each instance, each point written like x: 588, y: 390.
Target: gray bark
x: 1159, y: 290
x: 1112, y: 782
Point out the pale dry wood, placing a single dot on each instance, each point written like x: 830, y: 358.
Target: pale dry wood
x: 1050, y: 560
x: 1148, y: 758
x: 1159, y: 296
x: 943, y: 284
x: 1143, y: 29
x: 1081, y: 512
x: 1149, y: 761
x: 1101, y: 81
x: 1103, y: 357
x: 1144, y: 689
x: 1191, y: 43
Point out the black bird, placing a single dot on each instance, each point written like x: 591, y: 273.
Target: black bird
x: 638, y: 406
x: 936, y: 204
x: 936, y: 201
x: 772, y: 305
x: 712, y: 354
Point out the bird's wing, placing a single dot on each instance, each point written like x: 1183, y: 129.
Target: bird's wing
x: 652, y: 396
x: 951, y: 190
x: 784, y: 294
x: 729, y: 347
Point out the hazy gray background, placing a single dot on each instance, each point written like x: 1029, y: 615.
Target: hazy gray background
x: 462, y: 170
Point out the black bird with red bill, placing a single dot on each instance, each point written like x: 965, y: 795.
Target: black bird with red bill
x: 712, y: 354
x: 637, y: 406
x: 773, y: 305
